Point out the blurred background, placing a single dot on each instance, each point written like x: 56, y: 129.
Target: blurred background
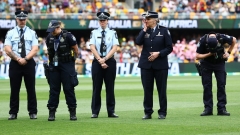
x: 187, y: 21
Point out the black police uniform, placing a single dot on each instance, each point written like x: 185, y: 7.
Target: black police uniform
x: 213, y: 64
x: 157, y: 41
x: 61, y: 71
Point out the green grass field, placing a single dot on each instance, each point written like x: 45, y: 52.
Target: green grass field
x: 184, y: 107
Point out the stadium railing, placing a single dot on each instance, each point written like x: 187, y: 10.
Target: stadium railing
x: 129, y: 15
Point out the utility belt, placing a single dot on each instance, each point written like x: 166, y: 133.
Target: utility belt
x: 214, y: 61
x: 68, y: 58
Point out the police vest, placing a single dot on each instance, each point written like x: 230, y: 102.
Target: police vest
x: 219, y: 50
x: 64, y: 51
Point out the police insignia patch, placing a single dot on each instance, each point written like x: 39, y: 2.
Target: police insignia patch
x: 168, y: 32
x: 198, y: 44
x: 74, y: 39
x: 36, y: 35
x: 61, y: 40
x: 116, y: 35
x: 227, y: 36
x: 91, y: 35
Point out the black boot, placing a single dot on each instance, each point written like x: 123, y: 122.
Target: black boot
x: 52, y: 111
x: 72, y: 111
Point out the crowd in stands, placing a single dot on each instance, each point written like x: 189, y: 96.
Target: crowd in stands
x: 117, y: 8
x: 195, y: 9
x: 61, y: 7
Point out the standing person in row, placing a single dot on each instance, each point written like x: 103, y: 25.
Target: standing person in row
x: 103, y: 44
x: 21, y: 45
x: 212, y: 55
x: 62, y: 48
x: 157, y: 45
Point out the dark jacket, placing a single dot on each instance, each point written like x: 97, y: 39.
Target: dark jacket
x: 160, y: 41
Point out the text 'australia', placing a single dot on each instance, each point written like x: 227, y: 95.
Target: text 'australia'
x: 112, y: 24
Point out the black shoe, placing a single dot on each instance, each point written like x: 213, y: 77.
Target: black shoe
x: 72, y: 111
x: 12, y: 117
x: 206, y: 113
x: 52, y: 111
x: 113, y: 115
x: 161, y: 116
x: 94, y: 116
x: 73, y: 117
x: 223, y: 113
x: 33, y: 116
x: 145, y: 117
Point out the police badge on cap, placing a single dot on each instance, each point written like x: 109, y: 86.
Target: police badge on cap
x: 53, y: 25
x: 21, y: 14
x: 150, y: 14
x: 103, y: 16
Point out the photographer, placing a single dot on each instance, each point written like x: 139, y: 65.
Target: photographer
x: 212, y: 55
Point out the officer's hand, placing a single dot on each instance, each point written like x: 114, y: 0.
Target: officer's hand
x: 104, y: 65
x: 144, y: 25
x: 22, y: 61
x: 101, y: 61
x: 153, y: 56
x: 226, y: 55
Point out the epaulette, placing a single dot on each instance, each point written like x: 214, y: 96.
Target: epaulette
x: 31, y: 29
x: 160, y: 26
x: 93, y: 30
x: 65, y: 32
x: 112, y: 29
x: 11, y: 28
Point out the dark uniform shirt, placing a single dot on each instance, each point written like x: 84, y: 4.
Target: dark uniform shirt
x: 70, y: 40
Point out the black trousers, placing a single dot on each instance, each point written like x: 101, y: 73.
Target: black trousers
x: 147, y: 77
x: 62, y: 74
x: 16, y: 72
x: 107, y: 75
x: 219, y: 70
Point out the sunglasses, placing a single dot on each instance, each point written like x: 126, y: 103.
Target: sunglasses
x: 22, y: 19
x: 102, y: 20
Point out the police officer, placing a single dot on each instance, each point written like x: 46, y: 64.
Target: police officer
x: 21, y: 45
x: 103, y: 44
x: 62, y: 48
x: 212, y: 55
x: 157, y: 44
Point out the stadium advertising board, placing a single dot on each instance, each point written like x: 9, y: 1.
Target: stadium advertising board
x: 131, y: 69
x: 122, y: 69
x: 6, y: 24
x: 179, y: 24
x: 42, y: 24
x: 86, y: 24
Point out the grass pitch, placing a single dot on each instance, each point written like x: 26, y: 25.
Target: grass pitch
x: 184, y: 107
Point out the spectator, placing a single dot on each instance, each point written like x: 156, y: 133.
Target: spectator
x: 2, y: 6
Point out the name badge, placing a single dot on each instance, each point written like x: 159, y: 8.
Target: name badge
x: 19, y: 47
x: 146, y: 35
x: 55, y: 60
